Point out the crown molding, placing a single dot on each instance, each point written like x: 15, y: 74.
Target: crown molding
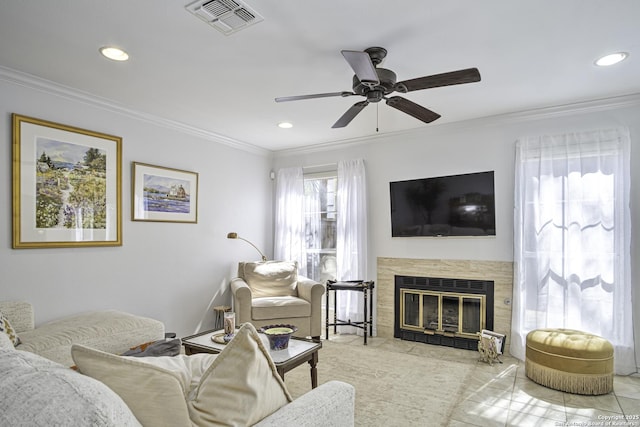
x: 33, y: 82
x: 591, y: 106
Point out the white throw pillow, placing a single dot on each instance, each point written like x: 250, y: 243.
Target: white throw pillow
x: 271, y: 278
x: 154, y: 388
x: 242, y: 385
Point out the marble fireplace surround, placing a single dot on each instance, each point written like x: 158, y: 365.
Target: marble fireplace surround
x: 500, y: 272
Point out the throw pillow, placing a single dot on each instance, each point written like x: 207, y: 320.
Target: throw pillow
x: 242, y: 385
x: 271, y: 278
x: 6, y: 328
x: 154, y: 392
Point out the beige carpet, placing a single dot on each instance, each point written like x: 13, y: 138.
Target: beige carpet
x: 392, y: 388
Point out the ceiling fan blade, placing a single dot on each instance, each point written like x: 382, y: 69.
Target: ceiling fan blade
x: 350, y: 114
x: 468, y: 75
x: 362, y: 66
x: 317, y: 95
x: 412, y: 109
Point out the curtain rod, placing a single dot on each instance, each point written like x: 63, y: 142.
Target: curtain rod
x: 327, y: 166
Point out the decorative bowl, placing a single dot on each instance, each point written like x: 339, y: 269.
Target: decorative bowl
x: 279, y: 335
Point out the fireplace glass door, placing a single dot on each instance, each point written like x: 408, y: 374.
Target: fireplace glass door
x: 444, y: 313
x: 471, y: 318
x: 430, y: 304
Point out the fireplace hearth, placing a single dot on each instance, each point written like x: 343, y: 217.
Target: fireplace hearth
x: 443, y: 311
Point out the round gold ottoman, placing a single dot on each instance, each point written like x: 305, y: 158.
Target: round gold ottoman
x: 569, y: 360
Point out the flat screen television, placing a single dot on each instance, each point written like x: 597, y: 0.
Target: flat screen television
x: 455, y: 205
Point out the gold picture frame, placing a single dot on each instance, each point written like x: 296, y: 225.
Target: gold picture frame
x: 67, y: 186
x: 162, y: 194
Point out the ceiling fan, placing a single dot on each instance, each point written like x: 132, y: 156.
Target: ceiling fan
x: 376, y: 83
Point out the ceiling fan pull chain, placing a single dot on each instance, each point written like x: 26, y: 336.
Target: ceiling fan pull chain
x: 377, y: 116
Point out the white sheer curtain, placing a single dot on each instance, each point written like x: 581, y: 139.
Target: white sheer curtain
x: 351, y: 249
x: 289, y: 221
x: 572, y: 239
x: 313, y: 221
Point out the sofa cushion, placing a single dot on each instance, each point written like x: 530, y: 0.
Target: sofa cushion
x: 39, y: 392
x: 241, y: 387
x: 110, y: 330
x: 279, y: 307
x: 7, y: 329
x: 155, y: 388
x: 271, y: 278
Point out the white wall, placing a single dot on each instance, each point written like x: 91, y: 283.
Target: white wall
x: 474, y: 146
x: 168, y: 271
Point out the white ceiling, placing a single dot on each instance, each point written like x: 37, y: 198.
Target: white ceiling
x: 531, y: 55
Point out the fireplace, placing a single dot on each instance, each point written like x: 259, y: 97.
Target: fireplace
x: 443, y: 311
x: 499, y: 272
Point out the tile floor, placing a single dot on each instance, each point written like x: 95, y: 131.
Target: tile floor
x: 501, y: 394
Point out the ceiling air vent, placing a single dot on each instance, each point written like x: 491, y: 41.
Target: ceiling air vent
x: 226, y: 16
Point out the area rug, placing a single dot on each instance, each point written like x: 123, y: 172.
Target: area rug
x: 392, y: 388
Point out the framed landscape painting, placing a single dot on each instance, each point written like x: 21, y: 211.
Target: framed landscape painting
x: 164, y: 194
x: 66, y: 186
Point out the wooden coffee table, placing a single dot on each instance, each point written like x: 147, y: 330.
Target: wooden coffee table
x: 300, y: 350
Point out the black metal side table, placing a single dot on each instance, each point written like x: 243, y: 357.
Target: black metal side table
x: 351, y: 285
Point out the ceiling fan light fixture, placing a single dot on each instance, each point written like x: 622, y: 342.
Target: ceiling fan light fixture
x: 285, y: 125
x: 114, y: 53
x: 611, y: 59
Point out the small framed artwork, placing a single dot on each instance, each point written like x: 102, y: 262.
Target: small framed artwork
x: 164, y: 194
x: 66, y: 186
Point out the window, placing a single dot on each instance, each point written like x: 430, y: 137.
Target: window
x: 321, y: 222
x: 320, y: 225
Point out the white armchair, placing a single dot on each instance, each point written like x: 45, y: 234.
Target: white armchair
x: 272, y: 292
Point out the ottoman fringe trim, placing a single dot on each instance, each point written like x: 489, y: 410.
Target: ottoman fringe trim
x: 592, y: 384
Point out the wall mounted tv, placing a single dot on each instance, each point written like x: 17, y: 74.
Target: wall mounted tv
x: 456, y: 205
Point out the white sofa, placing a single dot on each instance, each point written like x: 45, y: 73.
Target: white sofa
x: 110, y: 330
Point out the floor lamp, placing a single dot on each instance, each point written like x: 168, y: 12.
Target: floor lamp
x: 235, y: 236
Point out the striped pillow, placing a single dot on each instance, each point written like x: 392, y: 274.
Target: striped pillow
x: 5, y: 327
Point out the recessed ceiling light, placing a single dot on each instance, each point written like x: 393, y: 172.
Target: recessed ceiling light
x: 285, y: 125
x: 611, y: 59
x: 114, y: 53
